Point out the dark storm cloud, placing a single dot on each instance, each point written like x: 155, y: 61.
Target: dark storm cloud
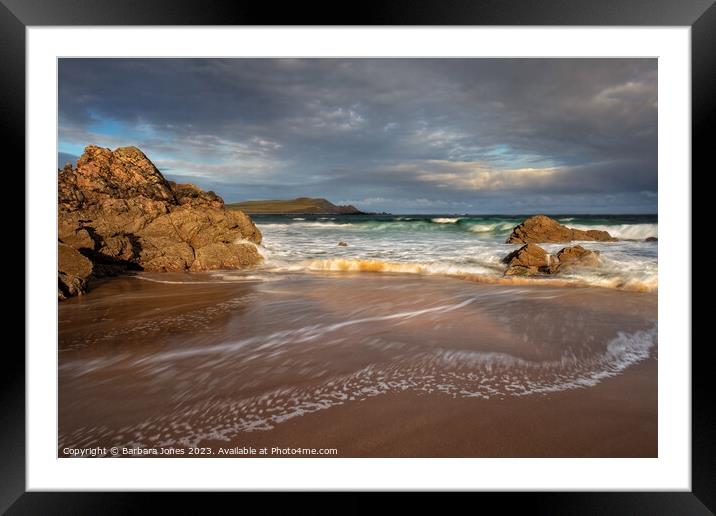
x: 388, y: 134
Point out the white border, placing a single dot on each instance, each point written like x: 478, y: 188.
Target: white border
x: 670, y: 471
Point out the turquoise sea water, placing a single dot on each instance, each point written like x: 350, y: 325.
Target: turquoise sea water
x: 461, y: 245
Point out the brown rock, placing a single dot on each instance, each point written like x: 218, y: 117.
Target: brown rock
x: 102, y: 174
x: 225, y: 256
x: 78, y: 237
x: 577, y: 256
x: 200, y: 227
x: 73, y: 270
x: 121, y: 211
x: 174, y: 256
x: 651, y: 239
x: 529, y: 259
x: 541, y: 228
x: 119, y: 248
x: 187, y: 193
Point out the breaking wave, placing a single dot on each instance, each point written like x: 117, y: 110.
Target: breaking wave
x: 465, y: 246
x: 637, y: 281
x: 623, y: 231
x: 495, y: 227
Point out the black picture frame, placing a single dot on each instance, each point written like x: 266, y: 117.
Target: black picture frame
x: 700, y: 15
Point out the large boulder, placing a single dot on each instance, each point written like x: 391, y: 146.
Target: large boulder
x: 528, y: 260
x: 531, y: 259
x: 183, y: 233
x: 73, y: 270
x: 577, y: 256
x: 118, y: 210
x: 541, y: 228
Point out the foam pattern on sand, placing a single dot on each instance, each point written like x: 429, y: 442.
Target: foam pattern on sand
x: 193, y: 417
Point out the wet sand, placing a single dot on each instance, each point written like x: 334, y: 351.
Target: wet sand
x: 374, y: 365
x: 597, y: 422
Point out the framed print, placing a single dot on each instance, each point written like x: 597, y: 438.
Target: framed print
x: 445, y: 248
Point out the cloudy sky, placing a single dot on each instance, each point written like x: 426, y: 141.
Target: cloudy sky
x: 397, y: 135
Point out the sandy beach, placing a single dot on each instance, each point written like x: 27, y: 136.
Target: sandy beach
x: 370, y: 364
x: 358, y: 257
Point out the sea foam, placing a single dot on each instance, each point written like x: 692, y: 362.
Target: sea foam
x: 490, y: 273
x: 623, y: 231
x: 455, y: 373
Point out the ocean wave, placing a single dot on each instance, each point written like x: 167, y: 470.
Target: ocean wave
x: 355, y: 265
x: 470, y: 248
x: 495, y: 227
x: 302, y: 224
x: 623, y: 231
x: 477, y: 225
x: 489, y: 273
x: 404, y: 224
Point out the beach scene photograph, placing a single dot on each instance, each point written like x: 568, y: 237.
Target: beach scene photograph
x: 359, y: 257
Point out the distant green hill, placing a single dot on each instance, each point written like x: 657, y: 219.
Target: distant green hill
x: 302, y: 205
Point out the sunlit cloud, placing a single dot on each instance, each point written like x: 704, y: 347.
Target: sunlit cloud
x: 475, y: 176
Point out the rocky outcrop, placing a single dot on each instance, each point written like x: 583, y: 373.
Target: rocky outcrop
x: 119, y: 211
x: 73, y: 270
x: 224, y: 256
x: 187, y: 193
x: 103, y: 176
x: 577, y: 256
x: 531, y: 260
x: 541, y: 228
x: 528, y: 260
